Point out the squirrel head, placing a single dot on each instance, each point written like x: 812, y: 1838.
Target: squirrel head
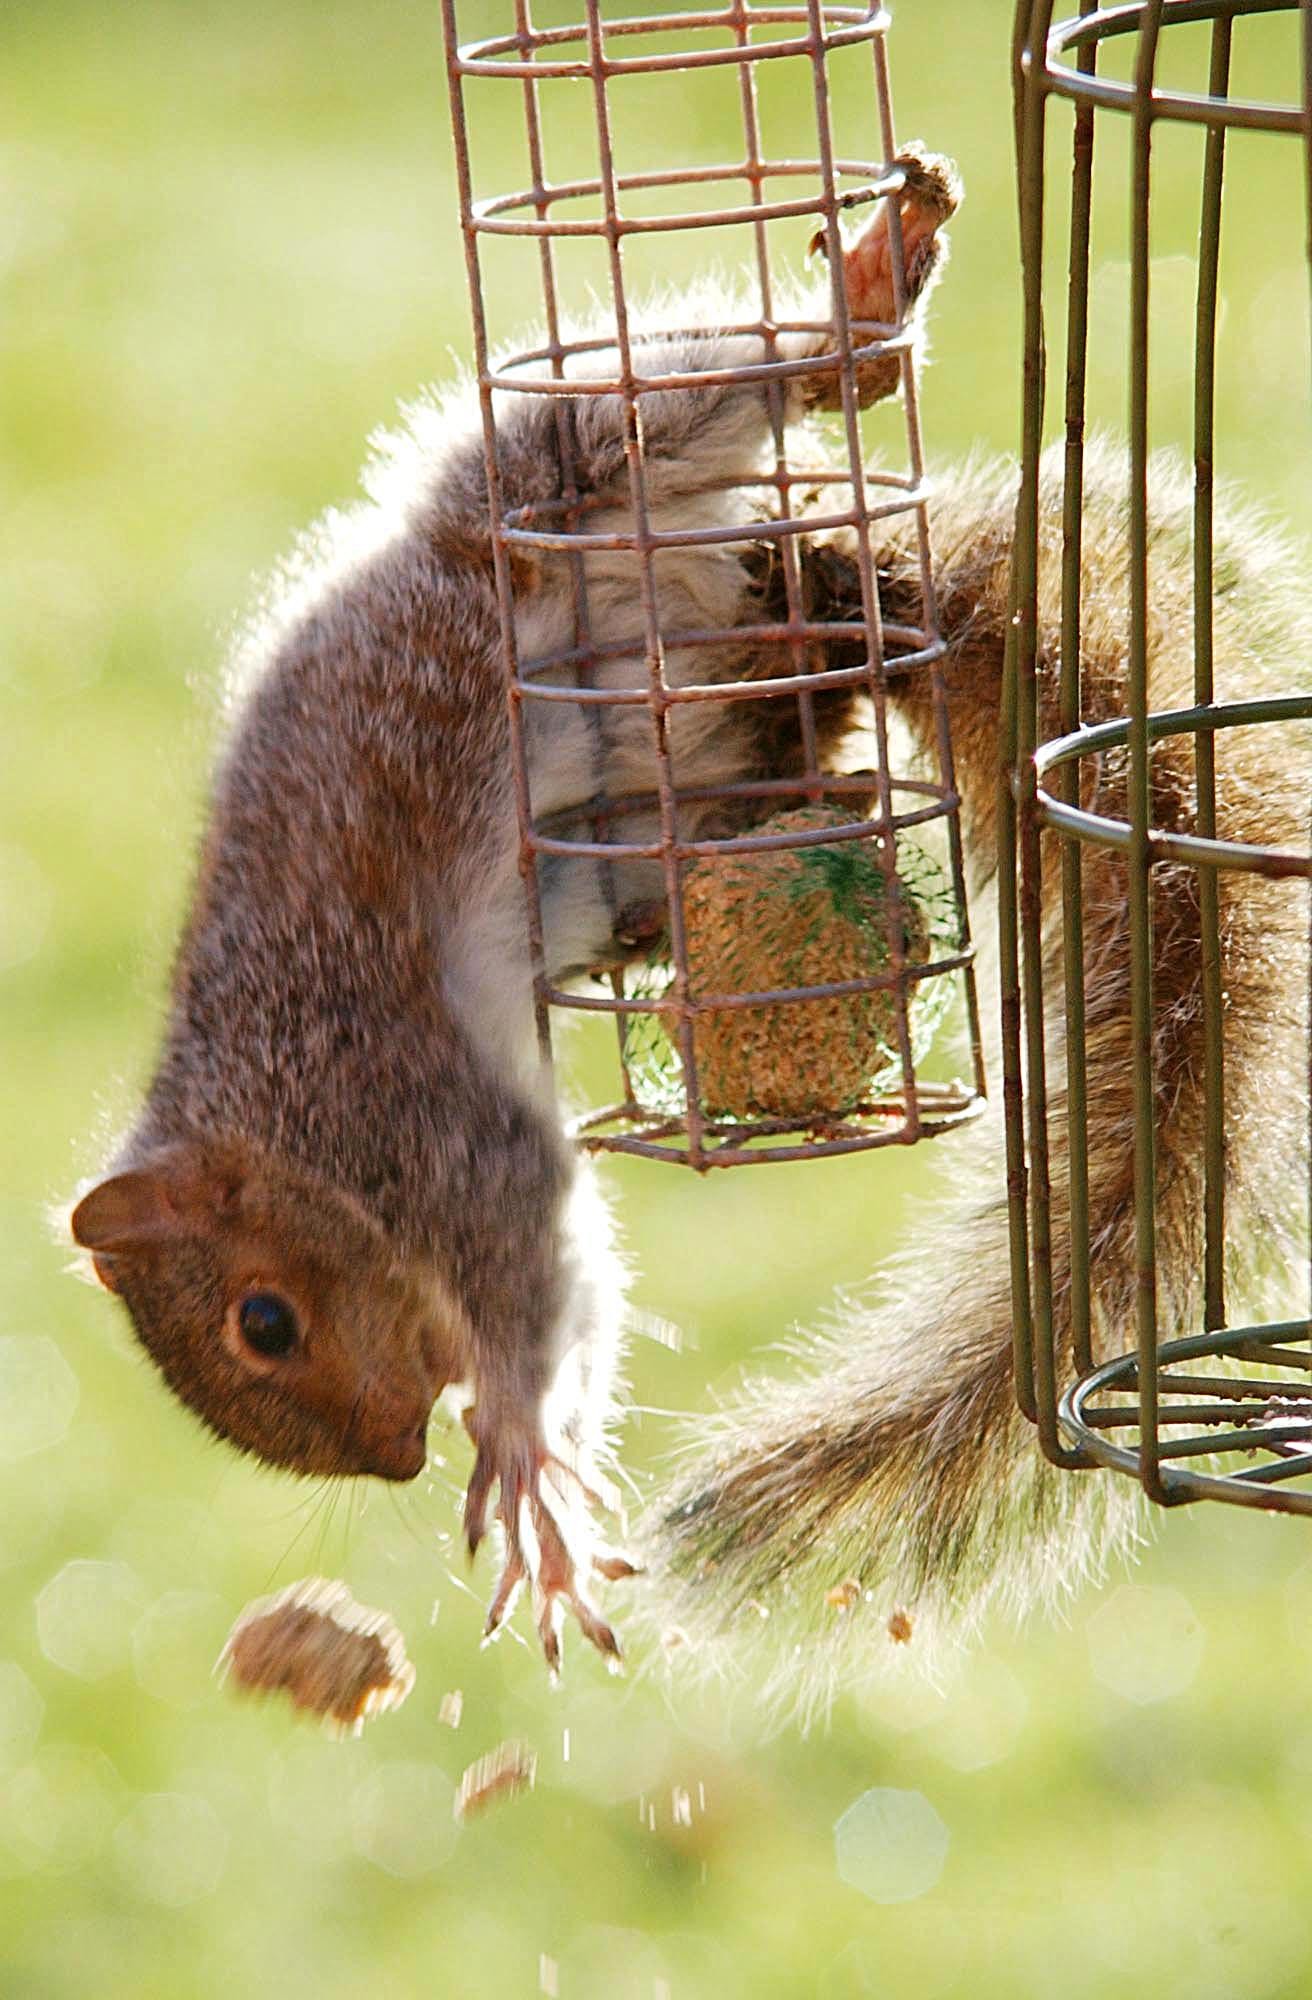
x: 275, y: 1307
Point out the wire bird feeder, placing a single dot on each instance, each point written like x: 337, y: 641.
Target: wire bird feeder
x: 677, y: 1016
x: 1223, y: 1411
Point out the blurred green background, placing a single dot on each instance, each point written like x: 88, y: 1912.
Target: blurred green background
x: 228, y: 246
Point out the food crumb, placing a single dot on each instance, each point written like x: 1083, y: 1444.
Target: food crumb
x: 451, y: 1708
x: 335, y: 1658
x: 900, y: 1627
x: 510, y: 1768
x: 844, y: 1595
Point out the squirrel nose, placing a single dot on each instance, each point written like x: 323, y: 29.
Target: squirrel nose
x: 403, y: 1456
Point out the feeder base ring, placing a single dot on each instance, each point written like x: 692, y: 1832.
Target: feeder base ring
x: 1260, y: 1413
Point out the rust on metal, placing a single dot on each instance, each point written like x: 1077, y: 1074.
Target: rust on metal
x: 746, y: 205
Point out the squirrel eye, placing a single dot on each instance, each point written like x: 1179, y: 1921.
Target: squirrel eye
x: 267, y: 1324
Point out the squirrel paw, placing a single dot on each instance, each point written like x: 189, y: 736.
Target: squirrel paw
x: 929, y: 197
x: 930, y: 193
x: 543, y: 1507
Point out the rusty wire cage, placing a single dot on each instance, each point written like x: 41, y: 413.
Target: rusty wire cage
x: 565, y: 109
x: 1191, y: 1406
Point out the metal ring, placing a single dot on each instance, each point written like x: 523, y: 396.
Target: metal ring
x: 1260, y: 1487
x: 1075, y: 822
x: 503, y: 56
x: 1188, y: 106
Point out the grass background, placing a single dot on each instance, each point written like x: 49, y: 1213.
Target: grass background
x: 228, y: 246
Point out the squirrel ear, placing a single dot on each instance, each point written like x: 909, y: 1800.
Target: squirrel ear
x: 180, y: 1189
x: 106, y: 1271
x: 127, y: 1210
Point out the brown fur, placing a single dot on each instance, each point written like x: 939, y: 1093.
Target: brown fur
x: 347, y: 1116
x: 899, y: 1457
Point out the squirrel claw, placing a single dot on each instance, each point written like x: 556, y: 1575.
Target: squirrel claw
x: 930, y: 194
x: 509, y: 1585
x: 477, y: 1495
x: 542, y: 1505
x: 595, y: 1490
x: 614, y: 1566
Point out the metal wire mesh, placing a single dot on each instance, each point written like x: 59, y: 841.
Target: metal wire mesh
x: 1208, y: 1408
x: 783, y: 509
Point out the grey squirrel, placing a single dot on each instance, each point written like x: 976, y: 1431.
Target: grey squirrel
x: 348, y: 1187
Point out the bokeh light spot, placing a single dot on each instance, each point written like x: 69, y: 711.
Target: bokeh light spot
x: 891, y: 1845
x: 26, y: 899
x: 38, y: 1395
x: 614, y: 1765
x: 984, y: 1718
x: 403, y: 1819
x: 309, y: 1792
x: 21, y: 1710
x: 171, y: 1848
x: 1145, y: 1642
x: 85, y: 1617
x: 175, y: 1644
x: 56, y: 1811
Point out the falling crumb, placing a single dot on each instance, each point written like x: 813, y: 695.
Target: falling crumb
x: 900, y: 1627
x: 548, y: 1976
x: 334, y: 1657
x: 451, y: 1708
x: 680, y: 1807
x: 844, y: 1595
x: 673, y: 1637
x: 564, y: 1746
x: 510, y: 1768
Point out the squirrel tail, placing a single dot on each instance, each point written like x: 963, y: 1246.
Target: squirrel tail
x: 893, y: 1488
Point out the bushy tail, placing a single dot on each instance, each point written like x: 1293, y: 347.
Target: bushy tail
x: 892, y: 1491
x: 895, y: 1474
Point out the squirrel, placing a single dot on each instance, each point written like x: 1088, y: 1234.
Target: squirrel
x: 348, y: 1187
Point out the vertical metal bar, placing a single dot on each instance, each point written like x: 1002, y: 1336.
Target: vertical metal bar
x: 654, y: 645
x: 1307, y: 144
x: 496, y: 510
x: 1070, y: 712
x: 929, y: 617
x: 1017, y: 729
x: 593, y: 714
x: 1306, y: 10
x: 1209, y: 251
x: 1140, y: 799
x: 1045, y: 1361
x: 740, y: 15
x: 870, y: 608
